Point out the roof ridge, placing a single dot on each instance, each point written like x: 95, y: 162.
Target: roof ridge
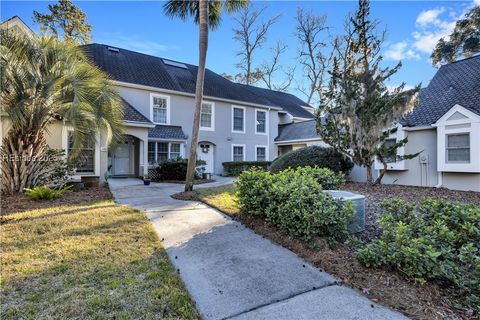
x: 461, y: 60
x: 137, y: 52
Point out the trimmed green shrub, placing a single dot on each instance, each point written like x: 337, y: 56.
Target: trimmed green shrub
x: 294, y: 201
x: 45, y: 192
x: 328, y: 179
x: 438, y: 240
x: 313, y: 156
x: 172, y: 169
x: 253, y: 190
x: 235, y: 168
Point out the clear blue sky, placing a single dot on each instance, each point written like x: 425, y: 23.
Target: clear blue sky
x: 413, y: 28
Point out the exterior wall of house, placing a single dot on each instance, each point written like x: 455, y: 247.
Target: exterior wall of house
x: 181, y: 114
x: 422, y: 170
x: 461, y: 181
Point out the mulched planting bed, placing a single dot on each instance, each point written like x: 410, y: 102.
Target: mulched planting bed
x: 391, y: 288
x: 19, y: 202
x: 374, y: 195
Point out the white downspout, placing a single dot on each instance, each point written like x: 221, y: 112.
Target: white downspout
x: 440, y: 180
x: 268, y: 134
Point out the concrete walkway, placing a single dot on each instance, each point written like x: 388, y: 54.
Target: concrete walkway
x: 233, y: 273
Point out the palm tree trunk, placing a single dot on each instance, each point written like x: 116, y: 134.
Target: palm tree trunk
x: 21, y: 160
x: 203, y: 44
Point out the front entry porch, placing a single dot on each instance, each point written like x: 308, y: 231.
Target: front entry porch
x: 125, y: 159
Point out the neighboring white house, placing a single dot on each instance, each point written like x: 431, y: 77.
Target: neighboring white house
x: 444, y: 127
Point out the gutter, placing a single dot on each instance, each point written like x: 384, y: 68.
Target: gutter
x: 138, y: 124
x: 160, y: 90
x: 430, y: 127
x: 297, y: 140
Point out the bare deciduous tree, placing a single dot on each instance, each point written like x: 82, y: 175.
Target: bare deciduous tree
x: 252, y: 34
x: 312, y: 35
x: 269, y: 70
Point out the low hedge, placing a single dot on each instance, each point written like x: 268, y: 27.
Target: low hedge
x: 294, y: 201
x: 438, y: 240
x: 313, y: 156
x: 235, y: 168
x: 172, y: 169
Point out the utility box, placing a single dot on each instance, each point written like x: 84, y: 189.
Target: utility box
x: 358, y: 200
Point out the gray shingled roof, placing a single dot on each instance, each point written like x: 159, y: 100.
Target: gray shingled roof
x: 297, y: 131
x: 167, y: 132
x: 132, y: 114
x: 455, y: 83
x: 138, y: 68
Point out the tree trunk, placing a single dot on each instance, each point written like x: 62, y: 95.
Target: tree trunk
x: 382, y: 173
x: 203, y: 44
x: 369, y: 173
x: 21, y: 160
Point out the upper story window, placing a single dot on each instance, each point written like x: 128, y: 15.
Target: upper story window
x: 85, y: 162
x: 238, y: 153
x: 260, y: 121
x: 160, y: 109
x: 238, y: 119
x: 207, y: 116
x: 458, y: 148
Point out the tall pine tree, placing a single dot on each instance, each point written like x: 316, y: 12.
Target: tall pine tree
x: 359, y: 110
x: 65, y: 20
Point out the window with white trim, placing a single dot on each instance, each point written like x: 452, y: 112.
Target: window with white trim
x: 159, y: 109
x: 207, y: 116
x: 238, y: 119
x: 458, y: 148
x: 238, y: 153
x: 85, y: 162
x: 392, y: 156
x: 261, y: 121
x: 261, y: 153
x: 174, y: 150
x: 151, y: 152
x: 161, y: 151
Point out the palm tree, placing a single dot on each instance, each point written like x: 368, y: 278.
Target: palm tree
x: 207, y: 14
x: 43, y: 81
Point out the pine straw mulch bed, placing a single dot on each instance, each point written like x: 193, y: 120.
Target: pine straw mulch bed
x: 375, y: 194
x: 388, y: 287
x: 19, y: 202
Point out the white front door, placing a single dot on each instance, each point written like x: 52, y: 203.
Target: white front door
x: 205, y: 153
x: 121, y: 159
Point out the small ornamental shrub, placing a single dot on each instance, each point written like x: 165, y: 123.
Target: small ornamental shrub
x: 294, y: 201
x: 438, y: 240
x: 45, y: 192
x: 313, y: 156
x: 235, y: 168
x: 253, y: 191
x: 172, y: 169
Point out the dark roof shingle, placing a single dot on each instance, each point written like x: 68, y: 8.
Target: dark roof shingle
x: 455, y: 83
x: 167, y: 132
x: 297, y: 131
x: 132, y: 114
x: 138, y: 68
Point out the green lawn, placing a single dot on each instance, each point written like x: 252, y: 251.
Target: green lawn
x: 96, y: 260
x: 223, y: 198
